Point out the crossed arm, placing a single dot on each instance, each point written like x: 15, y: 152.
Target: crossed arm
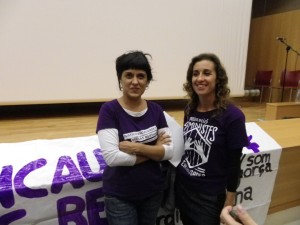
x: 128, y: 153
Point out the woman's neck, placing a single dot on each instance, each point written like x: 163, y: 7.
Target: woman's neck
x: 135, y: 105
x: 206, y: 104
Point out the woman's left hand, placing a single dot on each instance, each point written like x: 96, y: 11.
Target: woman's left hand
x: 163, y: 139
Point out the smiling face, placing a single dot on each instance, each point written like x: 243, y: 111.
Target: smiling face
x: 204, y: 78
x: 134, y: 83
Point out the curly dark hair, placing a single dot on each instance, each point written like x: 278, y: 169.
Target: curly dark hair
x: 222, y: 90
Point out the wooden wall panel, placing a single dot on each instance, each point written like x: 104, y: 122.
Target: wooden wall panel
x: 268, y: 7
x: 267, y: 53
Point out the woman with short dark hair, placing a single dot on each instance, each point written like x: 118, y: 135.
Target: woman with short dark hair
x: 134, y: 138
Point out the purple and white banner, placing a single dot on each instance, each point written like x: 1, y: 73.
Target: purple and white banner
x: 259, y: 165
x: 49, y: 182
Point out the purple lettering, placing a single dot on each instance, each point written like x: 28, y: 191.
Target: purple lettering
x: 6, y: 193
x: 86, y: 169
x: 64, y: 216
x: 100, y: 159
x: 74, y: 177
x: 253, y: 145
x: 95, y: 207
x: 21, y: 188
x: 12, y: 216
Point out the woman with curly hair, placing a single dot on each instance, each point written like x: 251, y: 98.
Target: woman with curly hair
x: 214, y: 136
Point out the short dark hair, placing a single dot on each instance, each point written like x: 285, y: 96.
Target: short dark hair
x: 134, y: 60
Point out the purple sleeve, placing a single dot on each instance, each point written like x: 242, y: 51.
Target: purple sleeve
x: 236, y: 130
x: 157, y: 110
x: 162, y: 120
x: 236, y: 139
x: 106, y: 118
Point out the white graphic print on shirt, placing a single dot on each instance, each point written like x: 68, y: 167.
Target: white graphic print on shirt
x: 198, y: 138
x: 142, y: 136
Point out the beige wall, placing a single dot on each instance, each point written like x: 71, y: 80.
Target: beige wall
x: 267, y: 53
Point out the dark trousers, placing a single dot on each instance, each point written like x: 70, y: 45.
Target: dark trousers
x: 197, y: 208
x: 144, y: 212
